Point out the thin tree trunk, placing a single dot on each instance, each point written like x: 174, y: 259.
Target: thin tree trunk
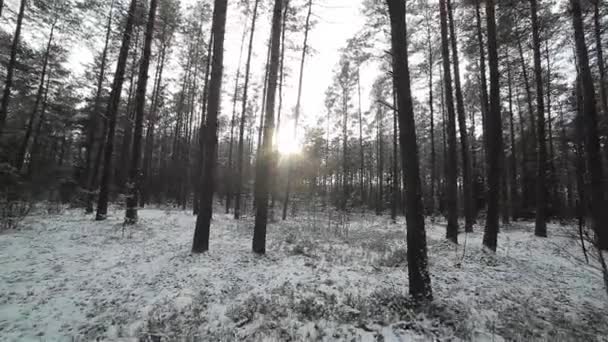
x: 150, y: 131
x: 39, y: 95
x: 230, y: 172
x: 467, y: 184
x: 10, y: 69
x: 35, y: 143
x: 432, y: 115
x: 200, y: 242
x: 452, y: 161
x: 241, y: 147
x: 490, y: 235
x: 540, y: 228
x: 297, y: 111
x: 94, y: 117
x: 265, y: 154
x: 134, y: 184
x: 202, y: 132
x: 600, y: 56
x: 102, y: 201
x: 513, y: 160
x: 419, y: 279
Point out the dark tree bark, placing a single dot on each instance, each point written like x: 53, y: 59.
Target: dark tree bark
x: 380, y: 166
x: 540, y: 228
x: 494, y: 139
x: 419, y: 279
x: 298, y: 107
x: 200, y: 242
x: 39, y: 95
x: 241, y: 147
x: 10, y: 69
x: 262, y: 180
x: 485, y: 106
x: 35, y: 144
x: 597, y: 28
x: 396, y: 195
x: 513, y: 155
x: 119, y: 76
x: 134, y: 184
x: 430, y: 56
x: 150, y: 130
x: 202, y: 132
x: 597, y: 201
x: 229, y: 171
x: 361, y: 155
x: 467, y: 184
x: 452, y: 159
x: 92, y: 171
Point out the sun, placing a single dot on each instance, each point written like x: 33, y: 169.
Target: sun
x: 288, y: 143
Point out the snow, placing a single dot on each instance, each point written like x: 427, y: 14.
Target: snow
x: 67, y: 277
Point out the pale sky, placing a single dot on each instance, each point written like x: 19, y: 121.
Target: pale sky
x: 336, y: 22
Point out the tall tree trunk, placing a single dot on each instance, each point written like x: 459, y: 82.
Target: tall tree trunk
x: 361, y: 157
x: 35, y: 143
x: 540, y: 228
x: 430, y: 57
x: 467, y: 184
x: 202, y: 132
x: 485, y: 106
x: 39, y: 95
x: 419, y: 279
x: 200, y: 242
x: 230, y: 172
x: 494, y: 139
x: 241, y: 147
x: 92, y: 171
x: 600, y: 56
x: 10, y: 69
x: 380, y: 166
x: 119, y: 76
x: 452, y: 161
x: 262, y: 180
x: 298, y: 108
x: 395, y: 200
x: 134, y: 184
x: 592, y: 146
x: 513, y: 160
x: 150, y: 131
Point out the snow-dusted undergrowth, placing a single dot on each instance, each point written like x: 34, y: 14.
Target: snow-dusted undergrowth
x: 67, y: 277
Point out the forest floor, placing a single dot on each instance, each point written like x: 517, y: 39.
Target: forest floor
x: 67, y: 277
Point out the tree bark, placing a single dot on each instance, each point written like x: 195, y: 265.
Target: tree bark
x: 10, y: 70
x: 540, y: 228
x: 265, y: 155
x: 298, y: 107
x: 200, y: 242
x: 134, y: 184
x: 230, y: 172
x: 419, y: 279
x: 92, y: 134
x: 241, y: 147
x: 467, y: 184
x: 39, y: 95
x: 494, y: 139
x: 452, y: 161
x: 597, y: 201
x: 119, y: 75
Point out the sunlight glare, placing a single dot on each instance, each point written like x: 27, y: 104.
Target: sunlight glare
x: 287, y: 143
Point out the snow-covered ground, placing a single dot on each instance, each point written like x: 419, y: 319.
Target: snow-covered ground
x: 67, y: 277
